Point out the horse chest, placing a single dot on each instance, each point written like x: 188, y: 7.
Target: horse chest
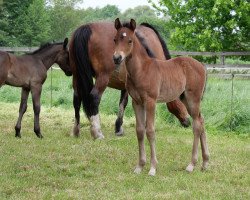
x: 137, y: 95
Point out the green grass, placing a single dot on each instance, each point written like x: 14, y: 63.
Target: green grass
x: 221, y: 112
x: 63, y: 167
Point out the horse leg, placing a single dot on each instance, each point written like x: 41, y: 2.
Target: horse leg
x: 140, y: 116
x: 204, y: 147
x: 22, y: 110
x: 177, y: 108
x: 192, y: 103
x: 77, y: 106
x: 122, y: 105
x: 36, y: 94
x: 150, y: 131
x: 96, y: 94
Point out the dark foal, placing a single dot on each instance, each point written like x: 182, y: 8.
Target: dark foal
x: 29, y: 72
x: 150, y: 81
x: 91, y: 48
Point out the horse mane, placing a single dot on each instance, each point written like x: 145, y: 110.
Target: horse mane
x: 44, y: 47
x: 144, y: 44
x: 142, y: 40
x: 163, y: 43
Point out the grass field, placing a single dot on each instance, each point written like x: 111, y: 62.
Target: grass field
x: 63, y: 167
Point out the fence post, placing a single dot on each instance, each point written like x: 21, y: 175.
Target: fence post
x: 51, y: 87
x: 232, y: 95
x: 222, y: 59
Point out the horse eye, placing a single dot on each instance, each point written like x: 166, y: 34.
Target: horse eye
x: 115, y: 40
x: 129, y: 41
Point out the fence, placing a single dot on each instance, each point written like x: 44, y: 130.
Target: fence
x: 222, y: 66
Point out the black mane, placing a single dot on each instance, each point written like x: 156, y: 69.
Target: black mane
x: 142, y: 40
x: 163, y: 43
x: 44, y: 47
x: 144, y: 44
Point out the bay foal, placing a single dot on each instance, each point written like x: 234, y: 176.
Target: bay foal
x: 149, y: 81
x: 29, y: 72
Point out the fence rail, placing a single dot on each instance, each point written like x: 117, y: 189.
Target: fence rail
x: 220, y: 67
x: 221, y: 55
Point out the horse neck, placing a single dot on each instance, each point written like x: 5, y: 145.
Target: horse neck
x: 136, y: 62
x: 48, y: 56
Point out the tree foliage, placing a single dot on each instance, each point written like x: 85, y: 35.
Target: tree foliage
x: 23, y: 22
x: 214, y: 25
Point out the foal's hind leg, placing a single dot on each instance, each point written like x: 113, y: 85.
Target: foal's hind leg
x: 204, y: 148
x: 122, y: 105
x: 22, y: 110
x: 193, y: 106
x: 36, y: 94
x: 77, y: 106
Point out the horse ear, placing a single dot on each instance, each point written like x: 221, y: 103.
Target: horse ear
x: 118, y: 24
x: 132, y: 24
x: 66, y: 40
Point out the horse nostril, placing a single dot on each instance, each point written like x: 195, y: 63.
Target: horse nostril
x: 117, y: 59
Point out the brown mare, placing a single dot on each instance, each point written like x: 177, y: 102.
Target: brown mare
x: 150, y: 80
x: 29, y: 71
x: 91, y: 48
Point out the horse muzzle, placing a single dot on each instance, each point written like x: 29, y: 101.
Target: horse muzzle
x: 68, y: 73
x: 117, y: 59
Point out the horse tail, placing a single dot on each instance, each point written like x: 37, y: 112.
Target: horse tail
x: 163, y: 43
x: 84, y: 69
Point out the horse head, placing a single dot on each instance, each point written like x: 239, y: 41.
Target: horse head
x: 124, y: 40
x: 62, y: 58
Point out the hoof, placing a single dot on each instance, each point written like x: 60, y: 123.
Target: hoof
x: 120, y: 133
x: 138, y: 170
x: 204, y: 166
x: 40, y: 136
x: 190, y: 168
x: 185, y: 123
x: 76, y: 131
x: 18, y: 135
x: 152, y: 172
x: 99, y: 137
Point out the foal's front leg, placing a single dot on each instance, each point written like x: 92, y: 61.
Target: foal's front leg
x: 22, y: 110
x: 140, y: 116
x: 36, y: 94
x: 150, y: 131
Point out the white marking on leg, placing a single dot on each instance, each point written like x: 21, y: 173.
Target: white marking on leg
x: 96, y: 127
x: 152, y: 171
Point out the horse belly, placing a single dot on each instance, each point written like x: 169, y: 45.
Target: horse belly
x: 16, y: 81
x: 169, y: 94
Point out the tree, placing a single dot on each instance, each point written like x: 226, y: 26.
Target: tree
x: 10, y: 19
x: 23, y: 22
x: 214, y: 25
x: 108, y: 13
x: 64, y: 18
x: 35, y: 25
x: 139, y: 12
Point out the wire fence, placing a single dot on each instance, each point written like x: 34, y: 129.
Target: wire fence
x: 221, y: 70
